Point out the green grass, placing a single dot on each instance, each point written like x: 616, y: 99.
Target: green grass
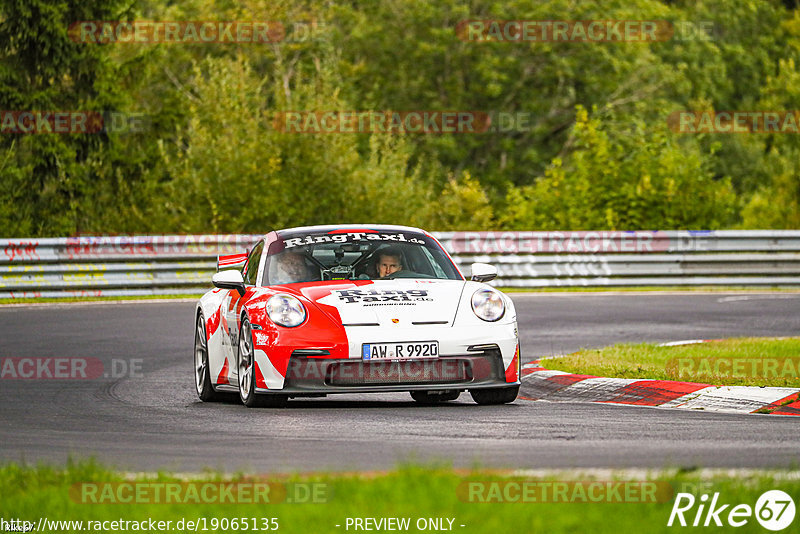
x: 731, y: 362
x: 411, y: 491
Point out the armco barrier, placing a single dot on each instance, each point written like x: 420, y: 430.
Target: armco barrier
x: 164, y: 265
x: 113, y: 265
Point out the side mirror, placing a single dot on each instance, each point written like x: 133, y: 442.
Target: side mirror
x: 229, y: 279
x: 483, y: 272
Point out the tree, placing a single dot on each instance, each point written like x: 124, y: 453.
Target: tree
x: 44, y: 182
x: 643, y: 178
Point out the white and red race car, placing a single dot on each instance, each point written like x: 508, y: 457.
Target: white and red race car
x: 352, y: 309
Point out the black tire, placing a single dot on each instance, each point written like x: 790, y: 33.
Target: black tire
x: 495, y: 395
x: 202, y: 374
x: 247, y: 376
x: 433, y: 397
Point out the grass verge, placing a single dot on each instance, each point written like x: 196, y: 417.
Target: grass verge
x: 730, y: 362
x: 418, y: 493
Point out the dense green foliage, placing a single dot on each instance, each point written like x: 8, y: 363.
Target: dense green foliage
x: 597, y: 152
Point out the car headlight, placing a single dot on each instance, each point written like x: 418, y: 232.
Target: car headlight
x: 286, y: 310
x: 488, y: 304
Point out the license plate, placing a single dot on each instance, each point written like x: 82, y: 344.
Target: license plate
x: 400, y: 351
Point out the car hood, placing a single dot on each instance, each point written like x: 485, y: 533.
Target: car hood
x: 401, y: 302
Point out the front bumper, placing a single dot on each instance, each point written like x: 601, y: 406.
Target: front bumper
x: 481, y: 367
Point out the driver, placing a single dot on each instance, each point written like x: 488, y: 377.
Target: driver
x: 390, y: 260
x: 290, y: 267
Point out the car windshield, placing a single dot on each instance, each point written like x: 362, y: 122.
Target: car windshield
x: 356, y: 255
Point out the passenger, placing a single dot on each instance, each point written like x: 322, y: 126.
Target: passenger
x: 290, y: 267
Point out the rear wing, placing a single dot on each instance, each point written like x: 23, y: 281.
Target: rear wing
x: 231, y: 261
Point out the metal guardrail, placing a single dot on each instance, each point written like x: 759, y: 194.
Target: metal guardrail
x: 97, y: 266
x: 164, y: 265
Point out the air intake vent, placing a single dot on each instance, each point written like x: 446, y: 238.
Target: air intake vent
x: 442, y: 371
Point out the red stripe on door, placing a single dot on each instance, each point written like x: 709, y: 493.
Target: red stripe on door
x: 223, y: 374
x: 512, y: 373
x: 212, y: 323
x: 259, y: 377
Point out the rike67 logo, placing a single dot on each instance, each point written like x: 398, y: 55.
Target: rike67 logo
x: 774, y: 510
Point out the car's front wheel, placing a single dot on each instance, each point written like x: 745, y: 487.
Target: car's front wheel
x: 495, y: 395
x: 202, y: 375
x: 247, y: 374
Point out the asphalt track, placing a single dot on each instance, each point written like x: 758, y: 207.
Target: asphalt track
x: 154, y: 420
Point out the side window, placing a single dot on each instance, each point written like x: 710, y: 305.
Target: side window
x: 252, y: 264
